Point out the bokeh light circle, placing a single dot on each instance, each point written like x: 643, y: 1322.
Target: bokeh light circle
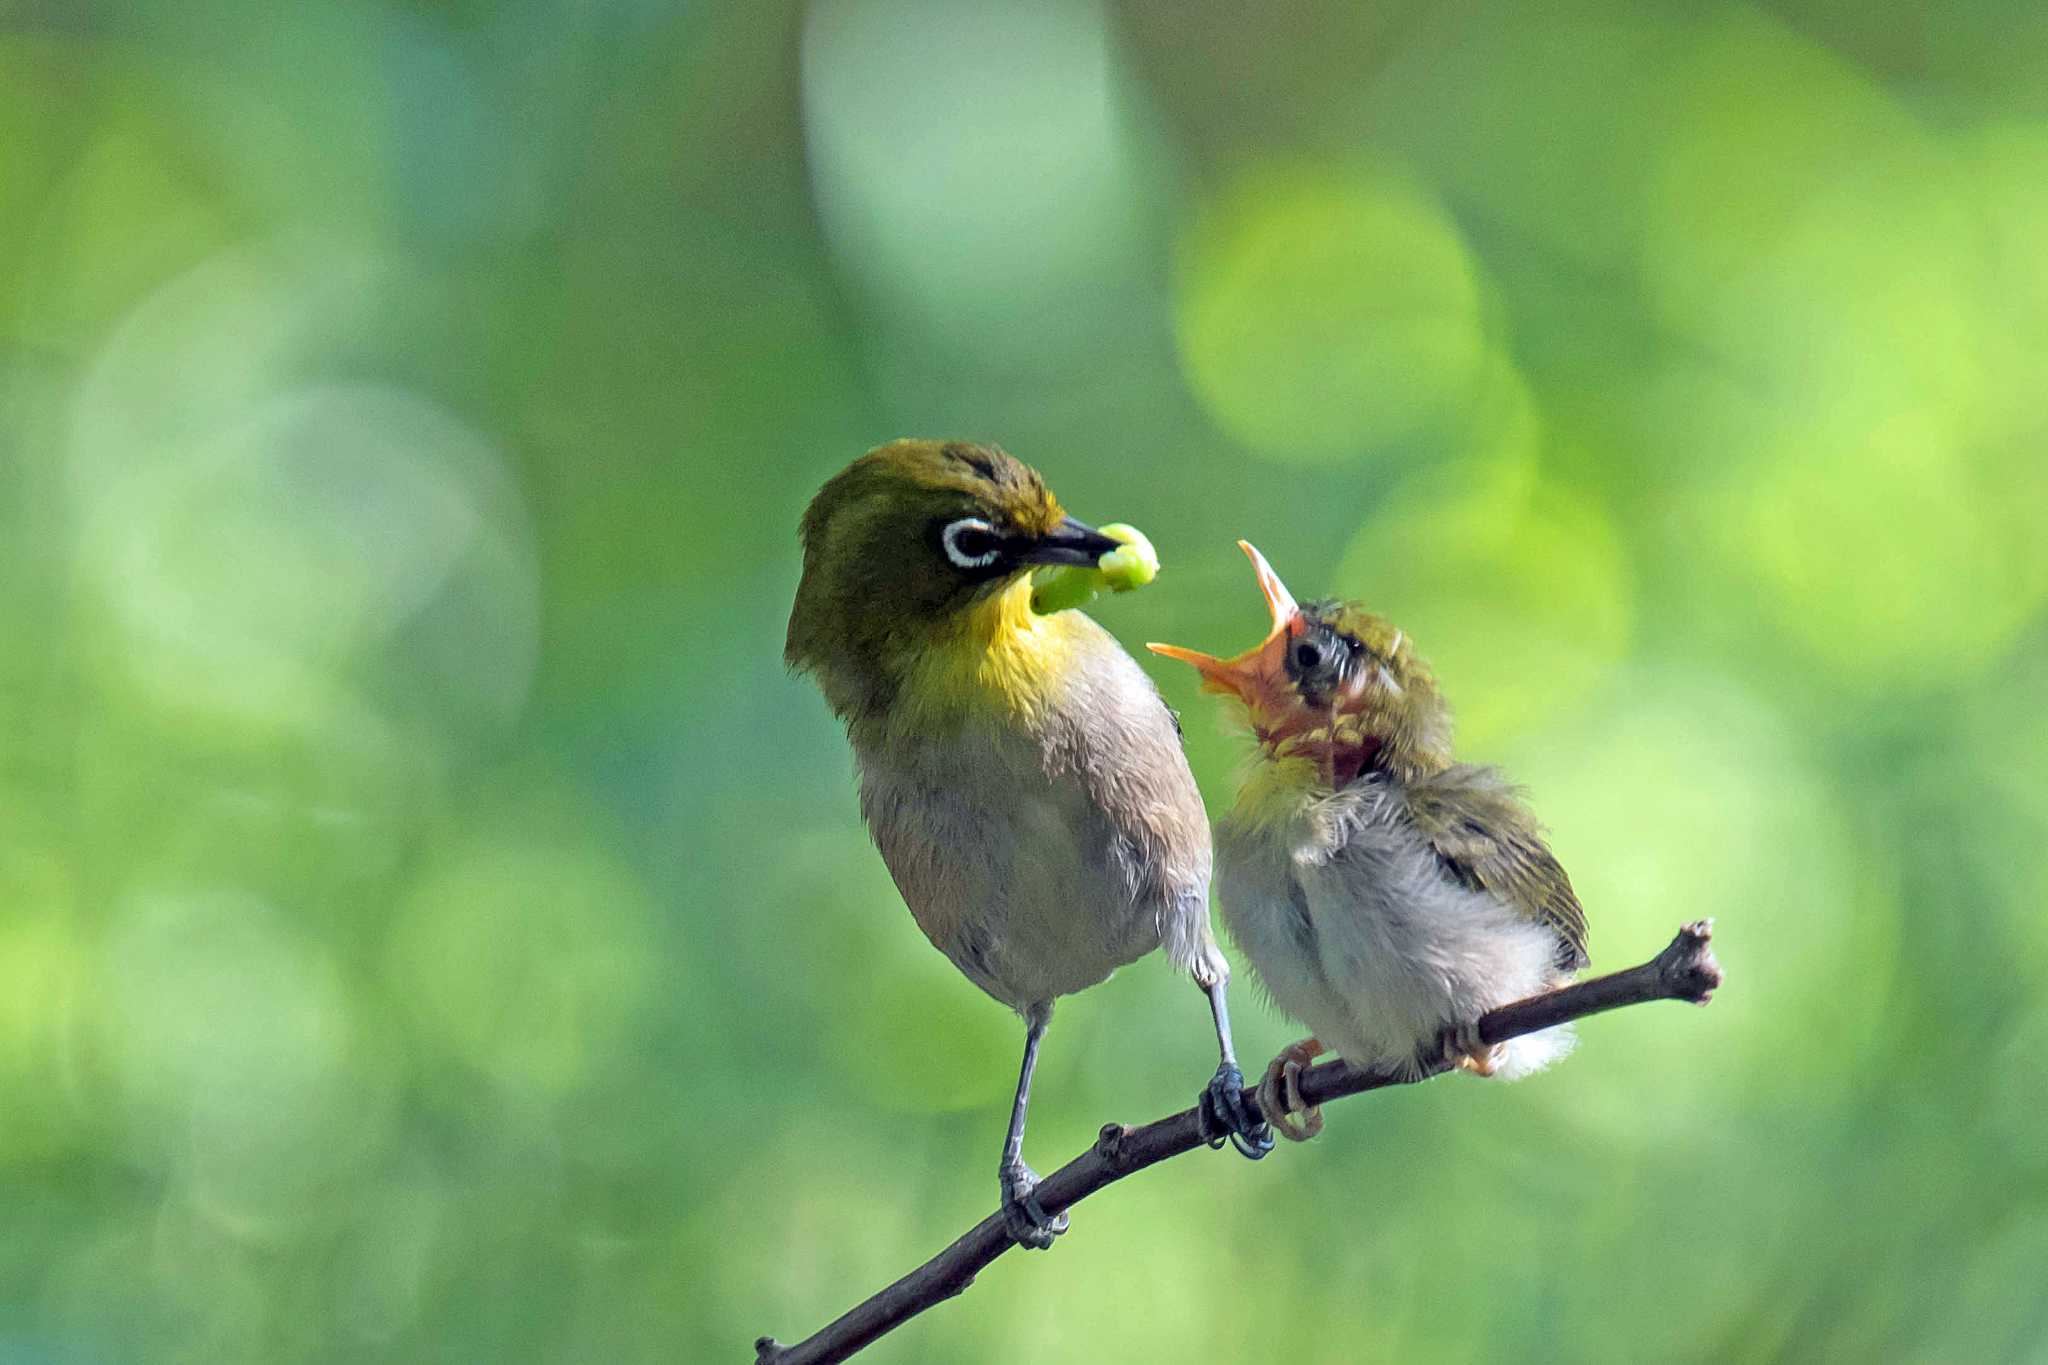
x: 1874, y: 457
x: 975, y: 169
x: 1324, y: 311
x: 1677, y: 798
x: 237, y: 1058
x: 526, y: 960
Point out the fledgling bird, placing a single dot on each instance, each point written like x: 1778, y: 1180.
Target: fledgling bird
x: 1020, y: 774
x: 1385, y: 895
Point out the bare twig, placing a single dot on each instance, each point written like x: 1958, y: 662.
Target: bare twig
x: 1685, y: 970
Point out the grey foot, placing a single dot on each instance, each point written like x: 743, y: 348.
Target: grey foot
x: 1024, y: 1218
x: 1224, y: 1114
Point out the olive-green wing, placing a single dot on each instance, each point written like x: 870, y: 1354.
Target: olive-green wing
x: 1488, y: 840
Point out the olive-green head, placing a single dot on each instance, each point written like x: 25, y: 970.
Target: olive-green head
x: 902, y: 545
x: 1363, y: 670
x: 1333, y: 680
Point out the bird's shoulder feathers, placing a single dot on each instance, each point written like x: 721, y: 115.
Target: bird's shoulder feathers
x: 1486, y: 838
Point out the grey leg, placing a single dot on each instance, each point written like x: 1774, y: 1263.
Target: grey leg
x: 1023, y: 1216
x: 1222, y: 1106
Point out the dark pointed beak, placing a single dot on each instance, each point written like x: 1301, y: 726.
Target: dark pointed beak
x: 1071, y: 542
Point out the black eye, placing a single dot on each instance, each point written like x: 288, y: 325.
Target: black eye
x: 971, y: 543
x: 1308, y: 655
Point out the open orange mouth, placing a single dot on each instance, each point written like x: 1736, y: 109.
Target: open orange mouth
x: 1257, y: 677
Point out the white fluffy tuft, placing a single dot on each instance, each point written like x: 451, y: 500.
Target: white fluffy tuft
x: 1529, y: 1054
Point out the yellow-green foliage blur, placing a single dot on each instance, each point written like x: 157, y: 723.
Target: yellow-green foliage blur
x: 434, y: 927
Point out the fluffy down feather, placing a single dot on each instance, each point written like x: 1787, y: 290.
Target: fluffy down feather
x: 1360, y: 927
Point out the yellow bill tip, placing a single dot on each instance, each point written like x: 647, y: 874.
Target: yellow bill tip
x: 1279, y: 601
x: 1186, y: 656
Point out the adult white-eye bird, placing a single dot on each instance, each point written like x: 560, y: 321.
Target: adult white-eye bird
x: 1385, y: 895
x: 1018, y: 771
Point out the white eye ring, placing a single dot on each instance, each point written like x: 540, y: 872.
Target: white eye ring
x: 950, y: 539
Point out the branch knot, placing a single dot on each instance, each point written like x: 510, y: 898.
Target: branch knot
x: 1687, y: 967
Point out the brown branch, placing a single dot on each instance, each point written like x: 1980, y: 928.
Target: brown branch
x: 1685, y: 970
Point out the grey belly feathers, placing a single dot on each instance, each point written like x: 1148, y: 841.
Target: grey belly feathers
x: 1040, y: 855
x: 1350, y: 922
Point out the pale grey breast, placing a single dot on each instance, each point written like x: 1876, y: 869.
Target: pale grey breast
x: 1352, y: 924
x: 1040, y: 859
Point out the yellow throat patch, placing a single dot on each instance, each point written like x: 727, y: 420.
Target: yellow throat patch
x: 1001, y: 656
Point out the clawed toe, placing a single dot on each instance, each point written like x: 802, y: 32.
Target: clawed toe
x: 1464, y: 1049
x: 1279, y: 1092
x: 1224, y: 1114
x: 1029, y: 1225
x: 1024, y: 1218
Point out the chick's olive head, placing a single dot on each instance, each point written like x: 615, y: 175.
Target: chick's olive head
x: 1331, y: 672
x: 912, y: 534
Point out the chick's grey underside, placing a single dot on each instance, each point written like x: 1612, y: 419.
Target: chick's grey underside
x: 1380, y: 914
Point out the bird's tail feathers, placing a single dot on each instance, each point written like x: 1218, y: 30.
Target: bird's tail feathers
x: 1529, y: 1054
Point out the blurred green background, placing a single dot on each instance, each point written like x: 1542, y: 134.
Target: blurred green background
x: 433, y: 927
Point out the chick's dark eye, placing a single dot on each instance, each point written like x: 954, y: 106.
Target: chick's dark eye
x: 1308, y: 655
x: 970, y: 543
